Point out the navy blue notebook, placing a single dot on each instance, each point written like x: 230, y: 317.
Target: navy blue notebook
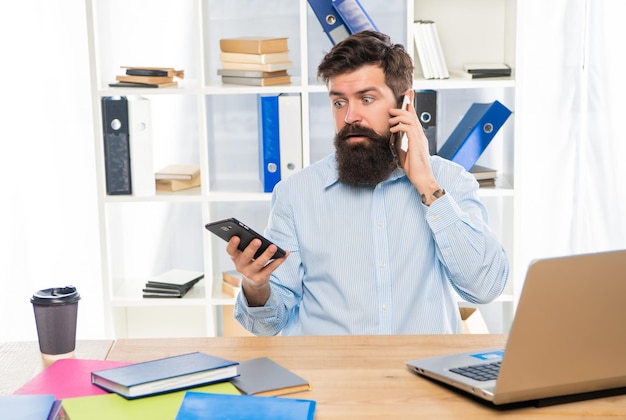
x: 165, y: 375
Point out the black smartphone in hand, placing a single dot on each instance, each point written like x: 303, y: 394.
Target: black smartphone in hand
x: 228, y: 228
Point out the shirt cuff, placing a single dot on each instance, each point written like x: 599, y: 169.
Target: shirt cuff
x: 442, y: 213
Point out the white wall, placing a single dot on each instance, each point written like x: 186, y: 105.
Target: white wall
x: 48, y: 207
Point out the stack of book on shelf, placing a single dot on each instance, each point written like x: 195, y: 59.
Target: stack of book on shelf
x: 231, y: 283
x: 174, y: 283
x: 429, y: 50
x: 256, y: 61
x: 151, y: 77
x: 177, y: 177
x: 482, y: 71
x: 486, y: 177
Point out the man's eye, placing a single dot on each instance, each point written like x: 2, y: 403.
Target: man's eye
x: 368, y: 100
x: 339, y: 104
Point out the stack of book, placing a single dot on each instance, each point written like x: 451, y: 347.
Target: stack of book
x: 152, y: 77
x: 256, y: 61
x: 486, y: 177
x: 429, y: 50
x: 177, y: 177
x: 231, y: 283
x: 481, y: 71
x: 174, y: 283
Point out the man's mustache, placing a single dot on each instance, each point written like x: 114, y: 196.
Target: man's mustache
x: 355, y: 130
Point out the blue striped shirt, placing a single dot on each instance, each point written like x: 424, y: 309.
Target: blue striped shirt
x: 375, y: 260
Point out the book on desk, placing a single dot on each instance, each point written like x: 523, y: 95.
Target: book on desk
x: 164, y: 375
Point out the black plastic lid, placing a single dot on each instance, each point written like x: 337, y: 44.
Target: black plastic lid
x: 56, y: 296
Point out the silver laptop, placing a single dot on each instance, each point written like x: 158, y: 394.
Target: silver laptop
x: 568, y: 337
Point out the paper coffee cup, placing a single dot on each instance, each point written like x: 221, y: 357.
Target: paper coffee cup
x: 56, y: 311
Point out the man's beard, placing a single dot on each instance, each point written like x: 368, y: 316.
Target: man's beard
x: 365, y: 163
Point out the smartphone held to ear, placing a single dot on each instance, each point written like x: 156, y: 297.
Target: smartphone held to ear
x: 404, y: 142
x: 228, y: 228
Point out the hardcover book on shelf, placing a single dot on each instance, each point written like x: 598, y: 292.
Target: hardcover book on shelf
x: 265, y: 377
x: 174, y: 283
x: 144, y: 85
x: 277, y: 57
x: 154, y: 71
x: 257, y: 81
x: 473, y: 76
x: 173, y: 185
x: 482, y: 173
x: 149, y: 77
x: 233, y: 277
x: 285, y: 65
x: 229, y: 289
x: 178, y: 171
x: 165, y: 375
x: 201, y: 406
x: 144, y: 79
x: 250, y: 73
x: 177, y: 177
x: 499, y: 69
x: 254, y: 45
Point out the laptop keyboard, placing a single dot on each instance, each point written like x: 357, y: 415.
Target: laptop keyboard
x: 482, y: 372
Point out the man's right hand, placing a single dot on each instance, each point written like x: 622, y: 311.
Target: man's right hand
x: 256, y: 272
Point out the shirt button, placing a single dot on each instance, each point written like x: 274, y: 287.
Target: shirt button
x: 433, y: 218
x: 379, y: 223
x: 384, y: 308
x: 381, y: 265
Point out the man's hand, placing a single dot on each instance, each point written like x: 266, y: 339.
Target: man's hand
x: 255, y: 272
x: 416, y: 160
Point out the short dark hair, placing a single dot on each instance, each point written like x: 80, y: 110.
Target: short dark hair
x: 365, y: 48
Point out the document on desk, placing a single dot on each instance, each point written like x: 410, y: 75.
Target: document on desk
x: 67, y: 378
x: 113, y: 406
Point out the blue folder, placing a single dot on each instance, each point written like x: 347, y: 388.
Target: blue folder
x: 340, y: 18
x: 473, y: 134
x: 269, y: 142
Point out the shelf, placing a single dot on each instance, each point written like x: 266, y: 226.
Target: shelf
x: 216, y: 125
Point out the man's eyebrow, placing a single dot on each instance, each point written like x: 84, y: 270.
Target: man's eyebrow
x: 358, y: 93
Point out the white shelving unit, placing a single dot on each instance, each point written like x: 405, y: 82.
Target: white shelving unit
x: 215, y: 125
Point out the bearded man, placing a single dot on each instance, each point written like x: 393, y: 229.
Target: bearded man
x: 380, y: 239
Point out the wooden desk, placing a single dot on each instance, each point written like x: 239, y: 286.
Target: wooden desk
x: 21, y: 360
x: 365, y: 376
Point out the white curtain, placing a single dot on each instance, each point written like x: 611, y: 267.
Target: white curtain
x: 571, y: 112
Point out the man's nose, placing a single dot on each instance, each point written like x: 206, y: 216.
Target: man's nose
x: 352, y: 114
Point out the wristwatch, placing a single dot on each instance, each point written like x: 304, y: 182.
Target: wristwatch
x: 439, y: 193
